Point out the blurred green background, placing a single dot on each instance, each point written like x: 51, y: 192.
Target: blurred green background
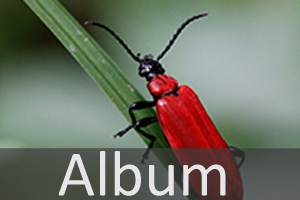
x: 242, y: 60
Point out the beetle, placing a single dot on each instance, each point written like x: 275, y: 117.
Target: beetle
x: 181, y: 115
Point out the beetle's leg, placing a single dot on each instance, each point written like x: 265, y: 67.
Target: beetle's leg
x: 143, y: 123
x: 238, y: 153
x: 135, y: 106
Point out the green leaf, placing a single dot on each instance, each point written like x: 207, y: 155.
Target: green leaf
x: 93, y: 60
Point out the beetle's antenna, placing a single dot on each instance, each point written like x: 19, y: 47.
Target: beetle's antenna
x: 136, y: 58
x: 183, y: 25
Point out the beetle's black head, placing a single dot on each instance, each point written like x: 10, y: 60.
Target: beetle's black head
x: 150, y: 68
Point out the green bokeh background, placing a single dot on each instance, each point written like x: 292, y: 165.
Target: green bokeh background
x: 242, y: 60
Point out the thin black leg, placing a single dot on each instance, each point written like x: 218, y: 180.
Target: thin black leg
x: 135, y: 106
x: 143, y: 123
x: 139, y: 105
x: 238, y: 153
x: 138, y: 125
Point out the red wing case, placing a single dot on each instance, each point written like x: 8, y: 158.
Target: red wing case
x: 186, y: 124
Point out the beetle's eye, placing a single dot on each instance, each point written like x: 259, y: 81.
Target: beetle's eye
x: 145, y: 69
x: 149, y: 67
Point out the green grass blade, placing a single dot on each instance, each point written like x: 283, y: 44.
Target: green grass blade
x: 93, y: 59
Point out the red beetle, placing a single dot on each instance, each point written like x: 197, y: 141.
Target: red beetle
x: 183, y: 120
